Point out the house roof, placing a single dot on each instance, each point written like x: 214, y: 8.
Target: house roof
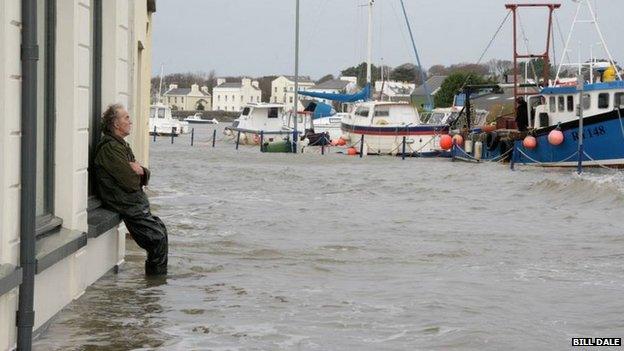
x: 302, y: 79
x: 434, y: 83
x: 182, y: 91
x: 237, y: 85
x: 336, y: 84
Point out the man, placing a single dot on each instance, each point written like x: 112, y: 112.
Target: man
x: 120, y: 180
x: 522, y: 114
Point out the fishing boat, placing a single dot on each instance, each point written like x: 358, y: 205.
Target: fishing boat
x: 573, y: 122
x: 197, y: 119
x: 262, y: 120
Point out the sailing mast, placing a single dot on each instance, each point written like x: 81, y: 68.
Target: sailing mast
x: 296, y: 97
x: 162, y: 67
x: 370, y: 42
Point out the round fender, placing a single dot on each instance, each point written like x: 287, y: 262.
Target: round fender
x: 491, y: 140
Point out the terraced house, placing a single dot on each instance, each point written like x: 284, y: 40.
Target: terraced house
x: 62, y: 62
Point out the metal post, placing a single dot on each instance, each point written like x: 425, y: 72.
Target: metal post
x: 154, y: 133
x: 261, y: 140
x: 192, y: 135
x: 237, y: 139
x: 580, y: 81
x: 214, y: 137
x: 362, y: 146
x: 513, y: 157
x: 172, y: 134
x: 403, y: 153
x: 294, y: 143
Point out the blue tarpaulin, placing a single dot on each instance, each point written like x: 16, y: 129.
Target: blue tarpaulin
x: 362, y: 95
x: 320, y: 110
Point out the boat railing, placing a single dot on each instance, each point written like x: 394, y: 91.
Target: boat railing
x: 275, y: 132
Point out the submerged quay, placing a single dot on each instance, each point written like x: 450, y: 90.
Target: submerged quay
x: 312, y: 252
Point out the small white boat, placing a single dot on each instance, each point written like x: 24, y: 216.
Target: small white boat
x: 161, y: 122
x: 197, y: 119
x: 330, y: 124
x: 383, y: 125
x: 268, y: 120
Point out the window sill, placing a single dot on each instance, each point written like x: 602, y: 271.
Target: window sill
x: 56, y: 246
x: 10, y: 278
x: 100, y: 221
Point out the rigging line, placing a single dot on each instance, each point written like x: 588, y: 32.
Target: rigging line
x: 565, y: 52
x: 401, y: 30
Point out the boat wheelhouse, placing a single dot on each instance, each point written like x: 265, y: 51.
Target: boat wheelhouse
x: 261, y: 118
x: 162, y: 123
x: 381, y: 126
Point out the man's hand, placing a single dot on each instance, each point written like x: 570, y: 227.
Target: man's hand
x: 136, y: 167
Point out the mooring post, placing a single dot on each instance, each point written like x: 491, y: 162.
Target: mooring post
x: 154, y: 133
x: 172, y: 133
x: 261, y: 140
x: 403, y: 153
x: 362, y: 146
x: 237, y: 139
x: 294, y: 143
x: 192, y: 135
x: 513, y: 157
x: 214, y: 137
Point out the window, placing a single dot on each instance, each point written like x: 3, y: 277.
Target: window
x: 276, y: 89
x: 570, y: 103
x: 182, y: 99
x: 382, y: 113
x: 218, y: 97
x: 362, y: 112
x: 291, y: 99
x: 246, y: 111
x: 226, y: 98
x: 251, y: 99
x: 161, y: 113
x: 284, y: 89
x: 175, y: 99
x: 586, y: 101
x: 273, y: 112
x: 46, y: 29
x: 552, y: 103
x: 241, y: 98
x: 561, y: 105
x: 603, y: 100
x: 233, y: 98
x: 619, y: 100
x: 257, y: 99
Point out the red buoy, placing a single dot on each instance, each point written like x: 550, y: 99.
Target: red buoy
x: 446, y: 142
x: 341, y: 142
x: 488, y: 128
x: 351, y: 151
x: 555, y: 137
x: 529, y: 142
x: 458, y: 139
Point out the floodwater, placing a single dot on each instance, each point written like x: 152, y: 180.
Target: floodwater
x: 312, y: 252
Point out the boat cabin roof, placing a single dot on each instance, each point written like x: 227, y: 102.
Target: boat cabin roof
x: 615, y: 85
x: 264, y: 105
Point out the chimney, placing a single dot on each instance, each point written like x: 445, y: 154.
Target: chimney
x: 220, y: 81
x: 195, y: 88
x: 256, y: 84
x: 204, y: 90
x: 173, y: 86
x: 246, y: 82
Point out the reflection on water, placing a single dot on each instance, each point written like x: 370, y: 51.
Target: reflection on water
x: 311, y: 252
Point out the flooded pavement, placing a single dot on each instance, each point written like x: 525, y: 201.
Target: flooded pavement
x: 311, y: 252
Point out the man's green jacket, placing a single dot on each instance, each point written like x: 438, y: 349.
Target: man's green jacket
x: 119, y: 187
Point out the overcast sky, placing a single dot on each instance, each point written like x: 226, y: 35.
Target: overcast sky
x: 256, y: 37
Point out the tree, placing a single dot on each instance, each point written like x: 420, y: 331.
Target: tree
x: 359, y: 71
x: 265, y: 87
x: 438, y: 70
x: 473, y: 68
x: 536, y: 68
x: 325, y: 78
x: 500, y: 68
x: 453, y: 84
x: 407, y: 72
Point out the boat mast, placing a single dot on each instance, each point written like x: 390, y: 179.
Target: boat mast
x: 162, y: 67
x: 370, y: 42
x: 296, y: 97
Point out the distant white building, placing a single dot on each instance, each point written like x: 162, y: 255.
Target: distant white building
x: 232, y: 96
x: 394, y: 89
x: 194, y: 99
x: 283, y: 90
x: 335, y: 86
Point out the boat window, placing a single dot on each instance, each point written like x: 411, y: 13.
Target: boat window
x: 273, y: 112
x: 382, y: 113
x: 335, y: 120
x: 362, y: 112
x: 246, y: 111
x: 586, y: 101
x: 603, y: 100
x: 552, y: 102
x: 152, y: 112
x: 619, y: 100
x: 161, y: 113
x: 561, y: 105
x: 436, y: 118
x: 570, y: 103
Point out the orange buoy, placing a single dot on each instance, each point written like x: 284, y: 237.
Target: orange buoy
x: 529, y: 142
x: 351, y: 151
x: 341, y: 142
x: 555, y: 137
x: 446, y: 142
x: 333, y: 143
x: 458, y: 140
x: 488, y: 128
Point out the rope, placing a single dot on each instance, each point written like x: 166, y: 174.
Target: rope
x: 543, y: 164
x: 497, y: 159
x: 620, y: 119
x: 598, y: 163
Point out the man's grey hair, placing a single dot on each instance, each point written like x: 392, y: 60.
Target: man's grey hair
x: 109, y: 116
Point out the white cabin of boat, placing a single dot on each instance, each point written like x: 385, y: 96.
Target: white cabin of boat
x: 261, y: 117
x: 383, y: 113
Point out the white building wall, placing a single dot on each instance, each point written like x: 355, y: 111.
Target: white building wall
x: 283, y: 92
x: 66, y: 280
x: 234, y: 99
x: 10, y: 85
